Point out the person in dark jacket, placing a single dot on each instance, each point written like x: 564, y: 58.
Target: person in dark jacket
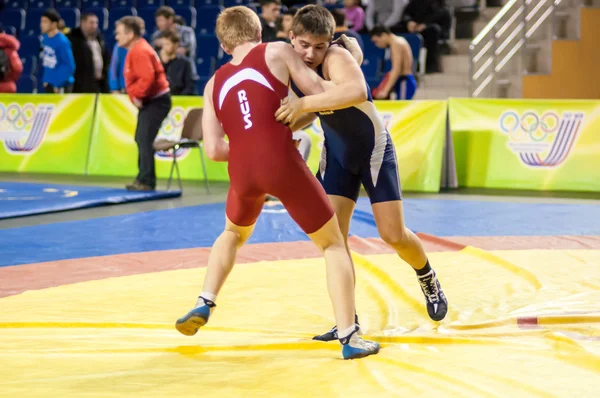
x: 432, y: 20
x: 270, y: 11
x: 91, y: 56
x: 177, y: 67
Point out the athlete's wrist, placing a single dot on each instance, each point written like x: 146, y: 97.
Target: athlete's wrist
x: 302, y: 104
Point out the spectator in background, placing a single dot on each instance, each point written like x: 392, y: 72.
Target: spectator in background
x: 341, y: 29
x: 91, y: 56
x: 298, y: 3
x: 148, y: 89
x: 384, y: 12
x: 355, y: 15
x: 177, y: 67
x: 62, y: 27
x: 178, y: 19
x: 58, y: 63
x: 430, y: 18
x: 116, y: 80
x: 10, y: 63
x: 268, y: 19
x: 284, y: 24
x: 165, y: 21
x: 399, y: 83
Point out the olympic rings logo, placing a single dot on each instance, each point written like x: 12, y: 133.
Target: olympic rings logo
x: 16, y: 116
x: 529, y: 125
x: 173, y: 122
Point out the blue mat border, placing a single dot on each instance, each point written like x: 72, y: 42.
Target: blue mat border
x: 106, y: 196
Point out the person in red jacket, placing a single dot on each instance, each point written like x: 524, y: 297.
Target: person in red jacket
x: 148, y: 88
x: 10, y: 45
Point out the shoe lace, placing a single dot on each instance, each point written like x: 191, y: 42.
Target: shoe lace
x: 430, y: 288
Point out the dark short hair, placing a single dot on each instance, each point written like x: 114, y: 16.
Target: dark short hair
x: 133, y: 24
x: 290, y: 11
x: 267, y: 2
x: 171, y: 36
x: 52, y: 15
x: 86, y: 15
x: 178, y: 19
x: 379, y: 30
x: 314, y: 20
x: 165, y: 11
x: 339, y: 16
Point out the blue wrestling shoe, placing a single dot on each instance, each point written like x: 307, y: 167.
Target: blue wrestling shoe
x: 354, y: 347
x: 437, y: 305
x: 333, y: 333
x: 195, y: 319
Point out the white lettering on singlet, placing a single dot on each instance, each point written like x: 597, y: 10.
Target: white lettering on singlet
x: 237, y: 78
x: 245, y: 108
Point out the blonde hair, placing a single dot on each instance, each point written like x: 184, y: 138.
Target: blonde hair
x: 237, y: 25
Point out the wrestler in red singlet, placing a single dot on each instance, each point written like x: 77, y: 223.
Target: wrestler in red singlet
x: 262, y: 156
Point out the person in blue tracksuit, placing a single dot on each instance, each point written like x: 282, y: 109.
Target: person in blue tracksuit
x: 358, y: 150
x: 58, y: 62
x: 116, y: 79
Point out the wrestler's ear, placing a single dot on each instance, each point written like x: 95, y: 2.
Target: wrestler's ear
x: 292, y: 38
x: 225, y: 49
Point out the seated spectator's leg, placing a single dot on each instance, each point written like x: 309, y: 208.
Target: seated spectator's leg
x: 443, y: 18
x: 431, y: 36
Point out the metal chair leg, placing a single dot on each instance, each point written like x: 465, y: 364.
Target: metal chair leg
x: 204, y: 168
x: 178, y: 177
x: 172, y: 168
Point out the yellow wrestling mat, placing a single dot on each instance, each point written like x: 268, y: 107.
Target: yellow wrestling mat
x: 115, y: 337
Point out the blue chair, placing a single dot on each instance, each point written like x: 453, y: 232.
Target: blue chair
x: 32, y: 22
x: 207, y: 45
x: 419, y: 52
x: 207, y: 19
x: 201, y: 83
x: 181, y: 3
x: 15, y: 18
x: 204, y: 3
x: 205, y: 65
x: 10, y: 30
x: 41, y: 4
x: 30, y: 45
x: 150, y: 3
x: 386, y: 65
x: 147, y: 14
x: 101, y: 13
x: 26, y: 84
x: 85, y: 4
x: 373, y: 82
x: 40, y: 84
x: 334, y: 6
x: 222, y: 59
x: 188, y: 14
x: 62, y: 4
x: 121, y: 3
x: 371, y: 66
x: 370, y: 49
x: 109, y: 41
x: 29, y: 65
x: 118, y: 13
x: 233, y: 3
x: 71, y: 16
x: 13, y: 4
